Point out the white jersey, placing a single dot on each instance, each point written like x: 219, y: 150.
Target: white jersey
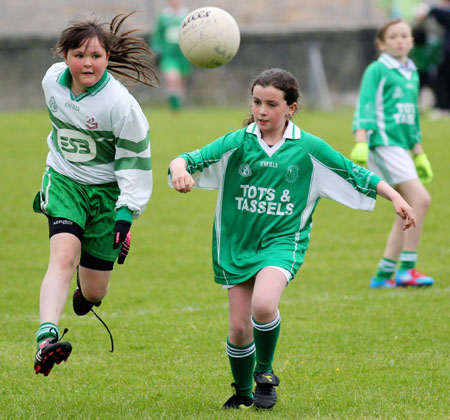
x: 99, y: 136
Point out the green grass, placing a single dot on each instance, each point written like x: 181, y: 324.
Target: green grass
x: 345, y: 351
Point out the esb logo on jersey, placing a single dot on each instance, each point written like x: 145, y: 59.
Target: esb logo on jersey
x: 76, y: 146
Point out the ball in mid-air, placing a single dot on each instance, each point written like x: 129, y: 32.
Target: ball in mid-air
x: 209, y: 37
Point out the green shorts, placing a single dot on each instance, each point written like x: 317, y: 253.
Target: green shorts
x: 92, y: 207
x: 175, y: 62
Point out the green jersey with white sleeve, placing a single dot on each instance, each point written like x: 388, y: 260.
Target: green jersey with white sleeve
x: 100, y: 136
x: 388, y: 103
x: 267, y: 196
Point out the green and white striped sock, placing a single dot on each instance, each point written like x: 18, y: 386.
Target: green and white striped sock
x: 242, y: 363
x: 266, y: 338
x: 386, y: 269
x: 46, y: 330
x: 408, y: 260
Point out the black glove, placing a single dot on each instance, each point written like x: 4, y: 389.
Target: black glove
x: 122, y: 238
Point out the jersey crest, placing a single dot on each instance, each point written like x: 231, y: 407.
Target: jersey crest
x: 292, y: 174
x: 244, y: 170
x: 52, y: 104
x: 398, y: 92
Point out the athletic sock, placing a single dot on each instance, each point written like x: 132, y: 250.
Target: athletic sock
x: 242, y: 362
x: 386, y: 269
x: 266, y: 337
x: 46, y: 330
x: 175, y: 102
x: 408, y: 260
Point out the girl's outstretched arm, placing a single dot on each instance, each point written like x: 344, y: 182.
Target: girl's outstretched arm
x: 182, y: 180
x: 401, y: 207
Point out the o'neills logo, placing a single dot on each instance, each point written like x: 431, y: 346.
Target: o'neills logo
x: 201, y: 14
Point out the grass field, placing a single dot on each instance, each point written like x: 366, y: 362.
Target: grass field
x: 345, y: 351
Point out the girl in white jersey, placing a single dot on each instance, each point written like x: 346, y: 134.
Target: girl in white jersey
x: 99, y: 174
x: 270, y: 176
x: 387, y: 131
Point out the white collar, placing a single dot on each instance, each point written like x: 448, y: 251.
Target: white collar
x: 392, y: 63
x: 292, y: 132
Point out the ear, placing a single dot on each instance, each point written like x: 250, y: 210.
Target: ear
x: 292, y: 107
x: 380, y: 45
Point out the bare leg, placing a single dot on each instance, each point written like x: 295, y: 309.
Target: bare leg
x: 64, y: 256
x: 94, y: 283
x: 239, y: 301
x: 175, y: 87
x: 269, y: 286
x: 419, y: 199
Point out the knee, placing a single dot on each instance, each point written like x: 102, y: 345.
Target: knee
x: 240, y: 332
x: 264, y: 311
x: 93, y: 293
x: 423, y: 202
x: 93, y: 296
x: 65, y: 261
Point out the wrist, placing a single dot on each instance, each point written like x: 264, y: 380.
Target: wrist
x: 125, y: 214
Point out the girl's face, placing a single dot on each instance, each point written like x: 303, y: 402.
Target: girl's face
x: 87, y: 64
x: 270, y: 111
x: 397, y: 41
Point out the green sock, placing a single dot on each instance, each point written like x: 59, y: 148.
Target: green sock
x: 242, y: 362
x: 408, y: 260
x: 175, y: 102
x: 386, y: 269
x: 266, y: 338
x: 46, y: 330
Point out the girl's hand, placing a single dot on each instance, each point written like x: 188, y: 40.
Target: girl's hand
x: 405, y: 211
x: 401, y: 207
x: 182, y: 180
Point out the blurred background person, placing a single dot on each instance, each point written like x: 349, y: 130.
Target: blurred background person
x: 172, y: 63
x: 441, y: 15
x: 388, y: 138
x: 404, y: 9
x: 426, y: 55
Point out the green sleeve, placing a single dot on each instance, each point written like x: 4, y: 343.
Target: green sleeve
x: 365, y: 112
x: 213, y: 153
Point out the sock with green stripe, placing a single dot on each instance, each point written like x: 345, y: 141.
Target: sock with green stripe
x: 242, y: 362
x: 266, y: 338
x: 386, y: 269
x: 46, y: 330
x: 408, y: 260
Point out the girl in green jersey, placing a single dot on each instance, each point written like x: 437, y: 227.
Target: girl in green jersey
x: 173, y: 64
x: 98, y: 176
x: 387, y: 131
x: 270, y: 176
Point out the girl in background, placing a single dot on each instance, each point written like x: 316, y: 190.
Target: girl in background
x: 173, y: 64
x: 387, y: 134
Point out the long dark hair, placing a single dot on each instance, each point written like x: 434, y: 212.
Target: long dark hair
x: 130, y: 57
x: 280, y: 79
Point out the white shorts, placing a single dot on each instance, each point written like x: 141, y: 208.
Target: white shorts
x: 393, y: 163
x: 283, y: 271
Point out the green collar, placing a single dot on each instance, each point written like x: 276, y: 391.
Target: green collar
x: 65, y: 79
